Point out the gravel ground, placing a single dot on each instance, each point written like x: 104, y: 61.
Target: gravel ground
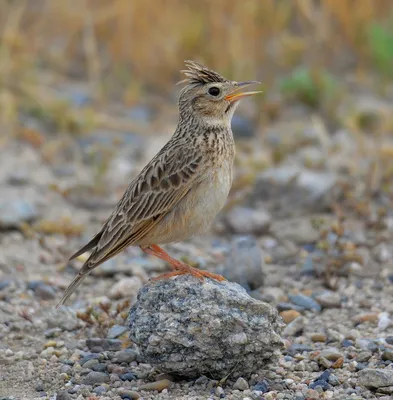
x: 331, y: 279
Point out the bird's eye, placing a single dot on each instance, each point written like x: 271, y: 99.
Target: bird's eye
x: 214, y: 91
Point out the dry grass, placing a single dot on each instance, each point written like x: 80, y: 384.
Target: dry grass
x: 124, y: 47
x: 141, y: 41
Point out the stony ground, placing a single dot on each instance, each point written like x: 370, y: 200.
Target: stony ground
x: 302, y: 248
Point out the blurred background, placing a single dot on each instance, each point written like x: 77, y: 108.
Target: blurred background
x: 88, y: 95
x: 79, y: 69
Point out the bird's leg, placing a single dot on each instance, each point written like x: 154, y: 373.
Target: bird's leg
x: 179, y: 267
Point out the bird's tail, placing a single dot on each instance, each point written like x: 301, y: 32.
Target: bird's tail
x: 72, y: 287
x: 93, y: 243
x: 87, y: 267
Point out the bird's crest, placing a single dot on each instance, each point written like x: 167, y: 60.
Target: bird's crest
x: 197, y: 74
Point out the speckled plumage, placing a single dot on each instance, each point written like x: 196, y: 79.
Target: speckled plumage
x: 183, y: 187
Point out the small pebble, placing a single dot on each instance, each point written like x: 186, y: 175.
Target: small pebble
x: 331, y: 354
x: 202, y: 380
x: 289, y: 315
x: 129, y: 376
x: 242, y: 220
x: 364, y: 356
x: 90, y: 363
x: 319, y: 384
x: 304, y: 301
x: 241, y: 384
x: 262, y: 386
x: 53, y: 332
x: 362, y: 344
x: 347, y: 343
x: 387, y: 355
x: 16, y: 211
x: 333, y: 380
x: 338, y: 363
x: 312, y: 394
x: 353, y: 334
x: 105, y: 344
x: 50, y: 343
x: 63, y: 395
x: 360, y: 366
x: 389, y: 340
x: 4, y: 284
x: 75, y: 389
x: 88, y: 357
x: 116, y: 331
x: 94, y: 377
x: 127, y: 356
x: 44, y: 291
x: 9, y: 353
x: 298, y: 348
x: 100, y: 390
x: 329, y: 299
x: 66, y: 369
x: 63, y: 376
x: 17, y: 178
x: 219, y: 392
x: 164, y: 375
x: 324, y: 362
x: 128, y: 394
x: 365, y: 317
x: 295, y: 327
x: 283, y: 306
x: 158, y: 385
x: 99, y: 367
x: 126, y: 287
x: 212, y: 383
x: 63, y: 318
x: 384, y: 321
x: 318, y: 337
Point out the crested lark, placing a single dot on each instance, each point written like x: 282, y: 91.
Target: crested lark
x: 184, y: 186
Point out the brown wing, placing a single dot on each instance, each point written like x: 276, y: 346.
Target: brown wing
x: 158, y: 188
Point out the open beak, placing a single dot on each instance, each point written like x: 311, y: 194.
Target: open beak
x: 236, y: 95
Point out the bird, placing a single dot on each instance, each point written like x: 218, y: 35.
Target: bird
x: 183, y: 187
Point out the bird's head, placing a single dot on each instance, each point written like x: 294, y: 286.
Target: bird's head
x: 209, y: 96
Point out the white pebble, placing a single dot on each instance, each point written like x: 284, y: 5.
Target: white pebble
x: 384, y: 321
x: 241, y: 384
x: 219, y: 391
x: 9, y: 353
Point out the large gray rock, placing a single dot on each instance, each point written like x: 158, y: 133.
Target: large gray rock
x: 188, y: 327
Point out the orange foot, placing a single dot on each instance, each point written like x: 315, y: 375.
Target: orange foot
x: 179, y: 267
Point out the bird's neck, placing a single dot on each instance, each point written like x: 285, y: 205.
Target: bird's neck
x: 190, y: 124
x: 214, y: 138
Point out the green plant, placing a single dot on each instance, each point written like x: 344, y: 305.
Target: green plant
x: 380, y: 41
x: 311, y: 87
